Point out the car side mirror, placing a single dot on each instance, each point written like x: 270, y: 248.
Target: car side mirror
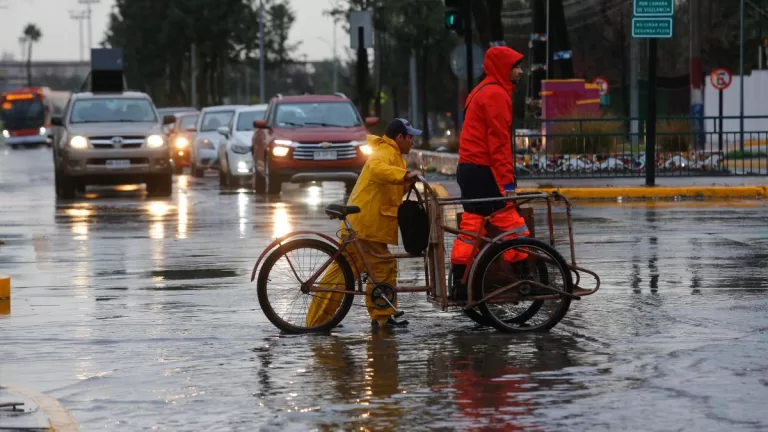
x: 57, y: 121
x: 371, y: 121
x: 260, y: 124
x: 169, y: 119
x: 223, y: 130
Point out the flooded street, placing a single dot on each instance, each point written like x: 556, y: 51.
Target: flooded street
x: 139, y: 314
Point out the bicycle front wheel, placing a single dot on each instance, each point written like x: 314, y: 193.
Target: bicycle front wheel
x: 285, y: 271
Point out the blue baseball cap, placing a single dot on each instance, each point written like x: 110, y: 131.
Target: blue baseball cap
x: 401, y: 126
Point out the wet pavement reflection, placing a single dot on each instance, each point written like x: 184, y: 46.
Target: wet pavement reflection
x: 138, y: 313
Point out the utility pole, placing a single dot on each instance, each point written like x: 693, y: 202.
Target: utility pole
x: 548, y: 39
x: 335, y: 59
x: 468, y: 43
x: 261, y: 52
x: 697, y: 94
x: 79, y: 17
x: 88, y: 4
x: 634, y: 91
x: 741, y: 73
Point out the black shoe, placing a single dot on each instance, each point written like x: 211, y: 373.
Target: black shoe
x: 390, y: 323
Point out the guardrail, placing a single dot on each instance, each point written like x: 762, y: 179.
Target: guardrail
x: 610, y: 147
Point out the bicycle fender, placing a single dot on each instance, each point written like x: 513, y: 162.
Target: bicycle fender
x: 282, y: 239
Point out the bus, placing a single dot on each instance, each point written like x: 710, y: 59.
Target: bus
x: 25, y: 115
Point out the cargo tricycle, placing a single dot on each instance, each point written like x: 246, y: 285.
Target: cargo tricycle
x: 511, y: 283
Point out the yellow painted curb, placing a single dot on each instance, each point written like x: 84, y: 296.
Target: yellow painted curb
x: 5, y: 287
x: 439, y: 190
x: 658, y: 192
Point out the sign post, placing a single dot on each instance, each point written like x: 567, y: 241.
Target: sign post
x: 652, y: 19
x: 721, y: 79
x: 361, y: 38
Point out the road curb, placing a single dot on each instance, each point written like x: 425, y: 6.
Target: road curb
x: 649, y: 192
x: 645, y: 192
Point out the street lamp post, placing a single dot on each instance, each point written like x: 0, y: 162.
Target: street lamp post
x: 88, y: 4
x: 79, y: 16
x: 261, y: 52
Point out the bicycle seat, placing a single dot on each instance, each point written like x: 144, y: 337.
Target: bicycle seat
x: 338, y: 211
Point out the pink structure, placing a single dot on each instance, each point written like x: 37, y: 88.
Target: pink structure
x: 571, y: 98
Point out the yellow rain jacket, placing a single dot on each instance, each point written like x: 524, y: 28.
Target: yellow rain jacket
x: 379, y: 192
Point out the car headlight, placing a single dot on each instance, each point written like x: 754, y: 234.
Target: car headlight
x: 206, y: 144
x: 6, y: 134
x: 78, y: 142
x: 366, y: 149
x: 240, y: 149
x: 287, y: 143
x: 155, y: 141
x: 181, y: 142
x: 43, y: 131
x: 280, y: 151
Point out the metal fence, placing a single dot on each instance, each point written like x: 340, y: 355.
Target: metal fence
x: 616, y: 147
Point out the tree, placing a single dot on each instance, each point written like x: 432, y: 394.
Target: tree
x: 157, y: 37
x: 32, y: 35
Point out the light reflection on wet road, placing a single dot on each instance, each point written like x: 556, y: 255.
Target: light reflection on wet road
x: 139, y: 313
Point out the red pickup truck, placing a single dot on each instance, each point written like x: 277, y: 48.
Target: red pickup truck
x: 309, y: 138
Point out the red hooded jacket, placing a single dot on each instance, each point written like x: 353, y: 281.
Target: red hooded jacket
x: 485, y: 137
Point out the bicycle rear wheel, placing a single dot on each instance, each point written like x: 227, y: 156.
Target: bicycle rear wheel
x: 518, y: 309
x: 283, y: 273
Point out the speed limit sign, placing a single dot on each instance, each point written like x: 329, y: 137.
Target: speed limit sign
x: 721, y: 78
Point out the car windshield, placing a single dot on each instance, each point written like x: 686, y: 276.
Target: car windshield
x: 215, y: 119
x: 246, y: 118
x: 188, y: 122
x: 324, y: 114
x: 22, y: 114
x: 106, y: 110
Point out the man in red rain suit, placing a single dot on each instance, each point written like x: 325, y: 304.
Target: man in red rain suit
x: 486, y: 164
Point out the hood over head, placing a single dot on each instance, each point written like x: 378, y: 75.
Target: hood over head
x: 498, y: 63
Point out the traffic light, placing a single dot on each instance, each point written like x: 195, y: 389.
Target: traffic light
x: 454, y: 17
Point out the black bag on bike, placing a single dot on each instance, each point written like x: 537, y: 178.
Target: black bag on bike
x: 414, y: 224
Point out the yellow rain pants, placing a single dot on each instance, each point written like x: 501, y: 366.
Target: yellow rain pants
x: 383, y: 270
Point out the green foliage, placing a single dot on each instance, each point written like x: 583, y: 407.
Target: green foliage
x: 674, y: 136
x: 157, y: 38
x: 586, y: 134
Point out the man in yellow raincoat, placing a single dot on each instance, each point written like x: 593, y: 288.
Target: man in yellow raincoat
x: 378, y: 192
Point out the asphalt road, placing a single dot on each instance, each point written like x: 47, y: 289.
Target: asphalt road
x: 139, y: 314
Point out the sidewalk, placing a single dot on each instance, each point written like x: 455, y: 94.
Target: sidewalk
x: 634, y: 188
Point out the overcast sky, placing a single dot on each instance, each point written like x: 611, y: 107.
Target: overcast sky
x: 61, y: 35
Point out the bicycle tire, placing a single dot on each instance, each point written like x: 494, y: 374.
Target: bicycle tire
x: 503, y: 325
x: 262, y: 286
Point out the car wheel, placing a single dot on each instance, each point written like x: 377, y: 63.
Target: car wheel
x: 197, y: 172
x: 65, y: 186
x: 259, y: 183
x: 160, y: 186
x: 273, y: 185
x: 224, y: 178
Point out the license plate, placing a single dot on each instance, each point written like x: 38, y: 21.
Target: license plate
x: 118, y: 163
x: 325, y: 155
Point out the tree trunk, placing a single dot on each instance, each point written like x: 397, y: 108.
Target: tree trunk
x: 29, y: 64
